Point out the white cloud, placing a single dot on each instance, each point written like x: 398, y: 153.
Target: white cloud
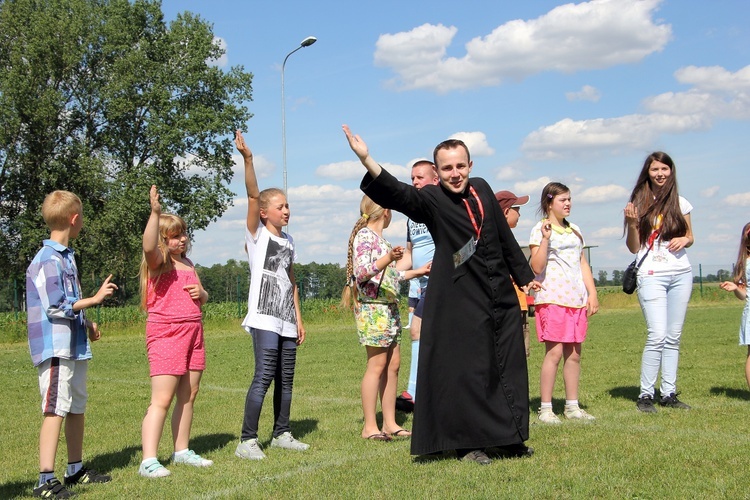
x: 720, y: 238
x: 738, y: 200
x: 600, y: 194
x: 224, y: 59
x: 709, y: 192
x: 353, y: 170
x: 476, y: 142
x: 533, y: 186
x: 587, y: 93
x: 511, y: 171
x: 607, y: 233
x: 572, y: 37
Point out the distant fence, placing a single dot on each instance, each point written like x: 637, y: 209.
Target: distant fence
x: 12, y: 292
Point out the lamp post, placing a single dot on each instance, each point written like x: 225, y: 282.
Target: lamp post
x: 304, y: 43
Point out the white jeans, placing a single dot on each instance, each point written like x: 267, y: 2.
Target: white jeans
x: 664, y: 301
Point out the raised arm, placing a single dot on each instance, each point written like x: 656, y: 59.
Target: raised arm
x: 360, y: 149
x: 251, y: 184
x: 151, y: 251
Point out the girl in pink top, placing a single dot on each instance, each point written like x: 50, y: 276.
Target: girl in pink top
x: 567, y: 299
x: 172, y: 295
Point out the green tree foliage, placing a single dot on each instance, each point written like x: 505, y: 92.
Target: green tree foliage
x: 103, y: 98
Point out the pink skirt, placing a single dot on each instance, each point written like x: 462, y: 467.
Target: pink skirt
x: 560, y: 324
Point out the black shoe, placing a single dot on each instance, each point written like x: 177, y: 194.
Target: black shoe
x: 405, y: 405
x: 86, y: 476
x: 646, y: 404
x: 518, y: 450
x: 671, y: 401
x: 53, y: 489
x: 476, y: 456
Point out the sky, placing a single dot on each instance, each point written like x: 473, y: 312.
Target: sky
x: 578, y: 93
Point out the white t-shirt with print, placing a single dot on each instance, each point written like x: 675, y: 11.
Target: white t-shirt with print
x: 660, y: 260
x: 270, y: 303
x: 562, y: 278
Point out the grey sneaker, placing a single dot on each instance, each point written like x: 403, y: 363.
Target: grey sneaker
x: 547, y: 416
x: 191, y: 458
x: 287, y: 441
x: 672, y: 402
x: 575, y: 412
x: 250, y: 450
x: 153, y: 469
x: 646, y: 404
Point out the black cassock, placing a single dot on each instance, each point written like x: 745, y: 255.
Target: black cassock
x: 473, y: 389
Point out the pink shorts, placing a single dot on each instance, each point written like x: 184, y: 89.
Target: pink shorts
x: 175, y: 348
x: 560, y: 324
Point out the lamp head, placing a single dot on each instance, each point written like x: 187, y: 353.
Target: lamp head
x: 308, y: 41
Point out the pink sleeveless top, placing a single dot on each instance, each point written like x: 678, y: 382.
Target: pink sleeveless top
x: 168, y: 302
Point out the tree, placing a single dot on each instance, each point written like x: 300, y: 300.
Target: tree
x: 602, y: 277
x: 102, y: 98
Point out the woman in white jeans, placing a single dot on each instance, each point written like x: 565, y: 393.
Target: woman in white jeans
x: 657, y: 221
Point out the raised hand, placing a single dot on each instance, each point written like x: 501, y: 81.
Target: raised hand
x: 106, y: 290
x: 356, y: 143
x: 154, y: 199
x: 242, y: 147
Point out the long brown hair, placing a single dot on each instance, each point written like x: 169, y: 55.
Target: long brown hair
x: 369, y: 210
x: 170, y: 226
x: 664, y: 201
x: 739, y: 268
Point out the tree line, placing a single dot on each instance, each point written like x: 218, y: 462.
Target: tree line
x: 104, y: 98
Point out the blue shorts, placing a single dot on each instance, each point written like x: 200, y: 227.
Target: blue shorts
x: 419, y: 309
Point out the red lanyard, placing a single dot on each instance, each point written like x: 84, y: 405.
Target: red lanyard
x: 478, y: 229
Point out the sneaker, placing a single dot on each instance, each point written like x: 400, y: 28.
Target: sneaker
x: 53, y: 489
x: 518, y: 450
x: 191, y: 458
x: 646, y: 404
x: 575, y: 412
x: 547, y: 416
x: 287, y: 441
x: 153, y: 469
x: 672, y: 402
x: 250, y: 450
x: 86, y: 476
x: 476, y: 456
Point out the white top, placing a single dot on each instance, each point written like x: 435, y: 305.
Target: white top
x: 661, y: 261
x: 562, y: 278
x: 270, y: 303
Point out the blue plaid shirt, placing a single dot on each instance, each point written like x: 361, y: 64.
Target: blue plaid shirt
x: 52, y: 287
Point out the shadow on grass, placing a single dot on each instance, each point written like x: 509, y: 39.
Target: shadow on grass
x: 731, y: 392
x: 17, y: 489
x: 301, y: 428
x: 629, y: 392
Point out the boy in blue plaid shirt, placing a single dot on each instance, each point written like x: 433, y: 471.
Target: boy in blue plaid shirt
x: 59, y: 344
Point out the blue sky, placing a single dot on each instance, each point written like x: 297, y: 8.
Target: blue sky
x: 578, y: 93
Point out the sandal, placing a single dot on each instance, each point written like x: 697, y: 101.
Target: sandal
x: 380, y: 436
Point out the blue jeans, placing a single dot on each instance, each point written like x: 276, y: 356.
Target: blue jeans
x: 664, y: 301
x: 275, y: 357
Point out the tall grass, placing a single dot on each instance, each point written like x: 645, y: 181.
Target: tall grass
x: 623, y: 454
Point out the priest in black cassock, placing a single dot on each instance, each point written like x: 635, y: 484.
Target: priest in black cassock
x: 473, y: 381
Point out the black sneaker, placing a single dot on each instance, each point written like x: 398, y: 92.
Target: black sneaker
x: 53, y: 489
x: 518, y: 450
x: 646, y: 404
x: 86, y: 476
x: 476, y: 456
x: 671, y: 401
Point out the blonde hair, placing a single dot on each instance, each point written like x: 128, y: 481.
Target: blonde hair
x: 59, y: 207
x: 170, y: 226
x: 264, y: 198
x: 369, y: 211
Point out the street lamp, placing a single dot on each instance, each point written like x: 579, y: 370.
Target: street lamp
x: 304, y: 43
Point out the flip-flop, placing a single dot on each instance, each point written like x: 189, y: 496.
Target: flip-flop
x: 401, y: 434
x: 380, y: 436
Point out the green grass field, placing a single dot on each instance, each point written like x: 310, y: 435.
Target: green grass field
x: 623, y: 454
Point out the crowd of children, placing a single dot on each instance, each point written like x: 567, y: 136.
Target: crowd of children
x: 657, y: 227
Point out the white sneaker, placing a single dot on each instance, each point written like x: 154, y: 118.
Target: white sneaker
x: 287, y: 441
x: 153, y: 469
x: 547, y: 416
x: 191, y: 458
x: 575, y: 412
x: 250, y: 450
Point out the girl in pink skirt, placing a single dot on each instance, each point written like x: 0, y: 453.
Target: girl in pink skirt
x: 172, y: 295
x: 564, y: 304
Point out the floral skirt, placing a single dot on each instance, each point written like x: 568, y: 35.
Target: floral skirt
x: 378, y: 325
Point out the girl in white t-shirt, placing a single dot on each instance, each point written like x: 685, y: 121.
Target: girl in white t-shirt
x: 657, y: 221
x: 738, y: 285
x: 273, y: 318
x: 568, y: 298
